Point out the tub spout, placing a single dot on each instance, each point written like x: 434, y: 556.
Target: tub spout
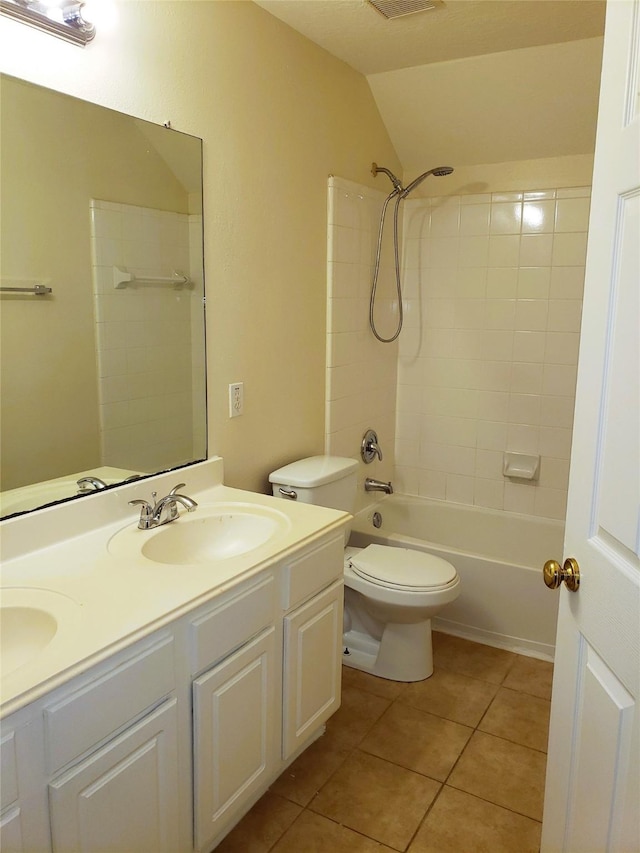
x: 371, y: 485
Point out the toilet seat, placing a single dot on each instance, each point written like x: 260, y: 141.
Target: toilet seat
x: 402, y: 568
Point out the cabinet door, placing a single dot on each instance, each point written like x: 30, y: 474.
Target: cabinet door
x: 11, y: 831
x: 24, y: 821
x: 235, y: 707
x: 312, y: 666
x: 125, y: 796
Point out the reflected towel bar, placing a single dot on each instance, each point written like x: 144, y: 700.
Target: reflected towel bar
x: 121, y: 278
x: 37, y: 290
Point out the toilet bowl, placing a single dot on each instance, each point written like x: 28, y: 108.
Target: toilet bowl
x: 391, y: 594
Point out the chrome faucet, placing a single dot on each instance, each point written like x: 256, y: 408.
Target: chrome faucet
x: 371, y: 485
x: 90, y: 484
x: 164, y: 510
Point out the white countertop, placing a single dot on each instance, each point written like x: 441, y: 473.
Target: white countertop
x: 118, y: 599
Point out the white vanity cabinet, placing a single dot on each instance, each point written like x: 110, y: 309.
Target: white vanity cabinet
x: 258, y: 707
x: 165, y: 745
x: 313, y: 605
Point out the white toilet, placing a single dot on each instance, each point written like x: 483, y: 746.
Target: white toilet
x: 391, y: 594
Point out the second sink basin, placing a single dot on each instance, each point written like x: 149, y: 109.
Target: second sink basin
x: 208, y: 535
x: 29, y: 620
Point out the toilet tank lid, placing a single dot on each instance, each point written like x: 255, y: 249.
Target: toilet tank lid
x: 314, y: 471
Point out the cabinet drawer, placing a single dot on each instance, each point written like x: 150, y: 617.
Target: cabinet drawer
x: 103, y: 705
x: 232, y: 622
x: 313, y: 571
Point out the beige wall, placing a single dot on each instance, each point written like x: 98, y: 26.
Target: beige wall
x: 277, y: 116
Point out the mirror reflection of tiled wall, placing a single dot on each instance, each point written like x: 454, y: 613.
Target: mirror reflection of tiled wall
x: 144, y: 340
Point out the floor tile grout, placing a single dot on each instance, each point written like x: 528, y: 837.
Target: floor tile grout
x: 491, y: 803
x: 345, y: 753
x: 442, y: 783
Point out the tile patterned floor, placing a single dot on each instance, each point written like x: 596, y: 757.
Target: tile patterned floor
x: 454, y: 764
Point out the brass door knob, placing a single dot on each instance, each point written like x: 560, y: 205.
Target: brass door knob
x: 553, y: 574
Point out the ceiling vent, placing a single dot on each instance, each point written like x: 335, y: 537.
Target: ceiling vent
x: 398, y: 8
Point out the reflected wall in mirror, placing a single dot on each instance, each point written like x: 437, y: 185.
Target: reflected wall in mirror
x: 103, y: 377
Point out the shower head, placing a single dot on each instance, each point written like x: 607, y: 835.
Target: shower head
x: 395, y: 181
x: 439, y: 172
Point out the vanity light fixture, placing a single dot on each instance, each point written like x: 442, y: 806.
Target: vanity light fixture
x: 62, y: 18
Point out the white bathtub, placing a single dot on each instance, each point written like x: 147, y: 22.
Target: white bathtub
x: 499, y: 557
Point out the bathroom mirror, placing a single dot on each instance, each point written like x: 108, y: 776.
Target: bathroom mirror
x: 102, y: 371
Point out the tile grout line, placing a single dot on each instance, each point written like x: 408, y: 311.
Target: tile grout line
x: 349, y: 752
x: 352, y: 750
x: 426, y: 815
x: 477, y: 729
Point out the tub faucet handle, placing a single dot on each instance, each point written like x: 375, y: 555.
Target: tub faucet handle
x: 370, y: 448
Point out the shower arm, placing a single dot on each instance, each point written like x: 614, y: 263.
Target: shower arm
x: 397, y: 184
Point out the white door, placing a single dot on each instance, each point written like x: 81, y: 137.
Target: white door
x: 592, y: 800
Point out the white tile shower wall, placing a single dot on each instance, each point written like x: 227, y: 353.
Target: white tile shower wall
x: 494, y: 282
x: 143, y: 337
x: 361, y: 371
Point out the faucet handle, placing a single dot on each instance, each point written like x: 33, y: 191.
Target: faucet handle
x: 140, y: 503
x: 370, y: 448
x: 146, y: 513
x: 175, y: 488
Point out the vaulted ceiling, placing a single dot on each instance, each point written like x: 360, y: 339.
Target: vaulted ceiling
x: 472, y: 81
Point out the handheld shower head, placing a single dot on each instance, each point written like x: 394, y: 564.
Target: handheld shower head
x: 439, y: 172
x: 399, y: 193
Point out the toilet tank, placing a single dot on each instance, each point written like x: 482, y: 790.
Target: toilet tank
x: 329, y: 481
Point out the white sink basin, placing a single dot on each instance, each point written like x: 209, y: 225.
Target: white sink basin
x: 208, y: 535
x: 29, y: 621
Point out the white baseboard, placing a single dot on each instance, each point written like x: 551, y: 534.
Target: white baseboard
x: 520, y: 646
